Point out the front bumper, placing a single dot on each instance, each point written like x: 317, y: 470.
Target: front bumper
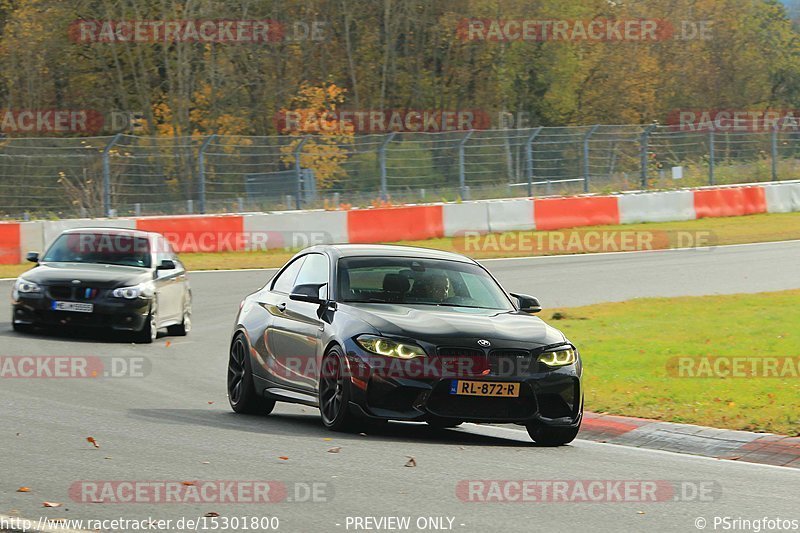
x: 552, y: 397
x: 108, y: 313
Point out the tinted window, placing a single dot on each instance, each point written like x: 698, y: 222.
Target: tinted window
x: 104, y: 248
x: 419, y: 282
x: 285, y: 280
x: 315, y: 270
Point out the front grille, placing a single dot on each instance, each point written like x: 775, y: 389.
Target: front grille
x: 448, y: 351
x: 86, y: 293
x: 461, y: 362
x: 60, y: 292
x: 510, y: 362
x: 66, y: 292
x: 442, y: 403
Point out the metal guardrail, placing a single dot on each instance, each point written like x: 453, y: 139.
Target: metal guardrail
x: 133, y: 175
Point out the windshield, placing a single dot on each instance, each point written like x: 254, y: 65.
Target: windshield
x: 102, y: 248
x: 418, y: 281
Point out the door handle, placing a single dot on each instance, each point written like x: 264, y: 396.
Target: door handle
x: 281, y: 307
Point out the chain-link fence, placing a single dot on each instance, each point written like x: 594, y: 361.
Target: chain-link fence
x: 132, y: 175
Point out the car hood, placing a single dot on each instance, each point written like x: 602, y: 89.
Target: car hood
x: 95, y: 275
x: 444, y: 325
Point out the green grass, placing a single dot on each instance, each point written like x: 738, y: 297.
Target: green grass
x: 626, y: 348
x: 730, y: 230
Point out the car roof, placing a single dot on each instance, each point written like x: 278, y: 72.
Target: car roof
x: 110, y: 231
x: 386, y: 250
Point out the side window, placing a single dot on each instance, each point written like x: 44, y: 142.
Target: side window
x: 315, y: 270
x: 285, y: 281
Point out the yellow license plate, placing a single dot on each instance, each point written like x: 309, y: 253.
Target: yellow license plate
x: 484, y: 388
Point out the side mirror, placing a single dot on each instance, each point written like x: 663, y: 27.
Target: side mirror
x: 33, y: 257
x: 308, y: 292
x: 167, y: 264
x: 527, y: 304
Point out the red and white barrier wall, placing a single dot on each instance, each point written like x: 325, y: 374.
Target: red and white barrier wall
x: 297, y: 229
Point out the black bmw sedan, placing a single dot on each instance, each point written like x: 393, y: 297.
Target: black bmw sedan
x: 112, y: 279
x: 375, y: 332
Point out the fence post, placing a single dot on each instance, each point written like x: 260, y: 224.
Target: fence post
x: 529, y: 156
x: 201, y: 173
x: 107, y: 174
x: 298, y: 172
x: 711, y: 156
x: 462, y: 182
x: 382, y: 160
x: 586, y: 171
x: 774, y: 147
x: 645, y: 146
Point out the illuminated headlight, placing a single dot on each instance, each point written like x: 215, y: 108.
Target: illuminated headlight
x: 131, y: 293
x: 23, y: 286
x: 561, y: 357
x: 389, y: 348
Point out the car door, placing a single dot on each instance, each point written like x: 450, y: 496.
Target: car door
x: 305, y: 324
x: 279, y: 338
x: 293, y: 336
x: 169, y: 284
x: 182, y: 279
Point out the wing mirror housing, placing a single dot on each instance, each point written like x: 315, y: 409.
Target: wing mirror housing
x: 167, y: 264
x: 527, y: 304
x: 33, y: 257
x: 308, y: 292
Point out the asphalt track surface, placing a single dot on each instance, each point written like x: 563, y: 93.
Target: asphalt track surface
x: 174, y: 423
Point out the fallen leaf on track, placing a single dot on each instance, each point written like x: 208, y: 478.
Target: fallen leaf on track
x: 187, y: 483
x: 212, y: 514
x: 23, y: 489
x: 51, y: 504
x: 92, y: 441
x: 283, y: 458
x: 411, y: 461
x: 335, y: 449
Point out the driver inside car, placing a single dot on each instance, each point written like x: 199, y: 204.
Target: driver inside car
x: 433, y: 287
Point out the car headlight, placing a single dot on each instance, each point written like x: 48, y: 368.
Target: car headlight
x: 24, y: 286
x: 389, y: 347
x: 559, y: 357
x: 131, y: 293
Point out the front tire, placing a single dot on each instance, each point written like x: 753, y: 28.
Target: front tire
x: 149, y: 331
x: 334, y: 393
x: 242, y: 394
x: 552, y: 436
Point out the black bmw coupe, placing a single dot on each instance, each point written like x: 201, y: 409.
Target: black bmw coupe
x: 110, y: 279
x: 375, y: 333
